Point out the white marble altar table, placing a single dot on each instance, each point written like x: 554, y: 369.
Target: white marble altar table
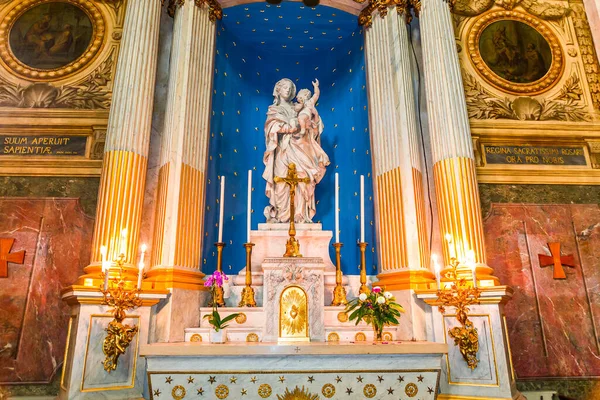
x: 331, y: 370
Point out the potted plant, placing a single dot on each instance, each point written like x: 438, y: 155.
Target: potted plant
x: 378, y: 309
x: 217, y: 334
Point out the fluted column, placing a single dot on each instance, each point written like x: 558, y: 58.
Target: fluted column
x: 456, y: 188
x: 397, y: 161
x: 124, y: 169
x: 177, y: 244
x: 176, y: 249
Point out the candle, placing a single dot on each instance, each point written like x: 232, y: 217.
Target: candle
x: 141, y: 267
x: 451, y: 249
x: 249, y: 212
x: 105, y: 266
x: 221, y: 204
x: 473, y: 265
x: 438, y: 270
x: 123, y: 242
x: 337, y: 207
x: 362, y: 208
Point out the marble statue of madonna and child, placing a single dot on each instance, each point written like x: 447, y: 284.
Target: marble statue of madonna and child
x: 293, y: 135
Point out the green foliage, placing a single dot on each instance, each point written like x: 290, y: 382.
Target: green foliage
x: 215, y: 319
x: 375, y: 312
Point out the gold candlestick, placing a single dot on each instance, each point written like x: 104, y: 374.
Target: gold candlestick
x: 220, y: 302
x: 247, y: 299
x: 363, y: 268
x: 339, y: 293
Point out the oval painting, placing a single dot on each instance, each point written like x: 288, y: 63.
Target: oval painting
x: 515, y: 51
x: 51, y: 35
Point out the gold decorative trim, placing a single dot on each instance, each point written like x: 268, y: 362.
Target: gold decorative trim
x: 27, y: 72
x: 67, y: 345
x: 215, y: 11
x: 293, y: 313
x: 222, y: 391
x: 252, y: 337
x: 387, y: 336
x: 493, y: 352
x: 545, y: 83
x: 333, y: 337
x: 178, y: 392
x: 411, y: 390
x: 360, y: 337
x: 328, y: 390
x: 588, y: 52
x: 342, y: 317
x: 370, y: 391
x: 196, y: 337
x: 241, y: 318
x: 510, y: 361
x: 408, y: 8
x: 264, y: 390
x: 135, y: 347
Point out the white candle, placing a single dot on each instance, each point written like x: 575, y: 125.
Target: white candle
x: 473, y: 265
x: 123, y: 242
x: 438, y: 271
x: 337, y: 207
x: 221, y: 204
x: 362, y: 208
x: 249, y: 212
x: 105, y: 266
x: 451, y: 249
x: 141, y: 267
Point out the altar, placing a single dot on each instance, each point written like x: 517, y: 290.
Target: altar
x: 294, y: 370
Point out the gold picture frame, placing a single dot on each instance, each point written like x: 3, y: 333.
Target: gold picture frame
x: 538, y: 68
x: 40, y: 36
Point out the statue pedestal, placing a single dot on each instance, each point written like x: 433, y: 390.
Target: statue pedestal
x: 270, y: 240
x: 282, y: 273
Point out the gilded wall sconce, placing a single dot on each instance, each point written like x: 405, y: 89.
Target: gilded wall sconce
x: 121, y: 298
x: 461, y: 295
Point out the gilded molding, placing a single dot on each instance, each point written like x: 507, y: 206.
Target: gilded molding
x: 408, y: 8
x: 215, y: 11
x: 24, y: 71
x: 91, y: 93
x: 566, y: 105
x: 588, y: 53
x: 550, y: 79
x: 544, y: 10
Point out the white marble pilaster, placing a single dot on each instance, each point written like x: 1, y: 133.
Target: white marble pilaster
x: 177, y: 245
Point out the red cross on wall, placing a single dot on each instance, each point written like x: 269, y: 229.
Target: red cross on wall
x: 6, y: 256
x: 557, y: 261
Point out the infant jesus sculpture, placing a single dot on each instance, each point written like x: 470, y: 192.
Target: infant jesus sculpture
x: 308, y: 116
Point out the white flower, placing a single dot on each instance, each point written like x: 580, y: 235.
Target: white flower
x: 381, y: 299
x: 387, y: 295
x: 362, y: 296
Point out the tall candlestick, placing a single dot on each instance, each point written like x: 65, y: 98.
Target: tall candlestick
x: 141, y: 267
x: 337, y: 208
x: 438, y: 271
x: 221, y: 208
x: 362, y: 208
x: 249, y: 212
x: 451, y: 249
x: 123, y: 242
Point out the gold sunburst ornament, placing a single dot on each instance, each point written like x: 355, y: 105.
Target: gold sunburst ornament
x: 297, y: 394
x: 293, y: 313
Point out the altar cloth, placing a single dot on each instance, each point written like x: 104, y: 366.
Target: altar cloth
x: 288, y: 371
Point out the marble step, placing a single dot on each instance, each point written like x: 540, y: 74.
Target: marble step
x: 250, y: 317
x: 233, y: 334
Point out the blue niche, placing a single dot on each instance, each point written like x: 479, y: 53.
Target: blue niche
x: 258, y: 44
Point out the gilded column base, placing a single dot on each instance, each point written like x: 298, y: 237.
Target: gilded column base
x: 162, y: 277
x: 483, y: 272
x: 407, y: 279
x: 247, y: 297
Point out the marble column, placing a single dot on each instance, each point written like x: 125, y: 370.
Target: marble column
x: 456, y: 189
x: 177, y: 245
x: 402, y: 238
x: 123, y: 176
